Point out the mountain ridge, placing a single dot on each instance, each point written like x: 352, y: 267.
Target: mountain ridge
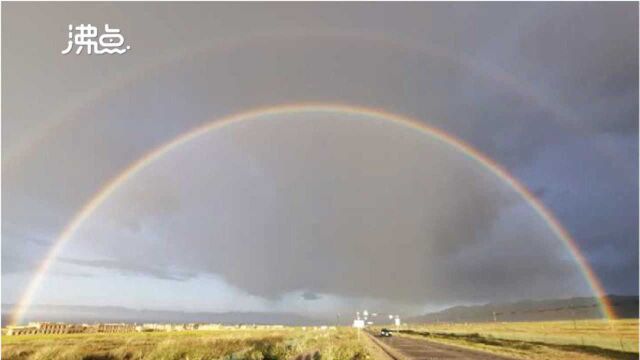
x: 90, y: 314
x: 625, y: 306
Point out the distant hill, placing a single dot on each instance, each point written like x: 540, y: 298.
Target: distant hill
x: 92, y: 314
x: 529, y: 310
x: 533, y: 310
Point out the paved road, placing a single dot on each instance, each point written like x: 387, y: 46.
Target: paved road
x: 418, y: 349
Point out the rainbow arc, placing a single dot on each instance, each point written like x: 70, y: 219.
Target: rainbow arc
x: 128, y: 173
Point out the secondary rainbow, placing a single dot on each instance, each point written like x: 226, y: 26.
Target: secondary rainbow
x: 112, y: 185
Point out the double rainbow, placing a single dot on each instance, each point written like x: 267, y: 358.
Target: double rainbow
x: 111, y: 186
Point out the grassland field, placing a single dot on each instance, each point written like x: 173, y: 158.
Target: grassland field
x: 580, y: 339
x: 288, y: 343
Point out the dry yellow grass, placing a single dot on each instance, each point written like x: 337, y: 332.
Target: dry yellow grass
x: 340, y: 344
x: 583, y: 339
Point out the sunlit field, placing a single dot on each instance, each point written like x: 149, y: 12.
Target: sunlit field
x: 532, y: 340
x: 288, y: 343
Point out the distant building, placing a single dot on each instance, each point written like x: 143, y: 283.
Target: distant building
x: 63, y: 328
x: 21, y: 330
x: 114, y: 328
x: 45, y: 328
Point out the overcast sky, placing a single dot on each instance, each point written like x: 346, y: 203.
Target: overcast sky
x: 321, y: 212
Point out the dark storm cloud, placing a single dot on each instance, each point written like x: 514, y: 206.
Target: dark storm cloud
x: 547, y: 90
x: 596, y: 204
x: 310, y: 296
x: 332, y: 204
x: 577, y: 70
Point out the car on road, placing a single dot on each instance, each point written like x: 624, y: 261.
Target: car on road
x: 385, y: 333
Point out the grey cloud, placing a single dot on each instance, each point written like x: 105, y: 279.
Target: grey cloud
x: 596, y: 204
x: 73, y: 274
x: 310, y: 296
x: 540, y: 192
x: 322, y: 202
x: 130, y: 268
x: 15, y: 264
x: 512, y: 80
